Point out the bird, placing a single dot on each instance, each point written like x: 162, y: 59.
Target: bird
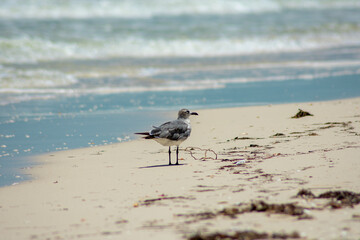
x: 172, y: 133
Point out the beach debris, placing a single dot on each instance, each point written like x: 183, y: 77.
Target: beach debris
x: 338, y: 199
x: 254, y: 145
x: 240, y: 162
x: 122, y: 221
x: 313, y: 134
x: 285, y: 208
x: 231, y: 166
x: 198, y: 216
x: 242, y: 138
x: 337, y: 124
x: 277, y: 135
x: 304, y: 193
x: 344, y: 124
x: 257, y: 206
x: 301, y: 114
x: 297, y: 132
x: 107, y: 233
x: 243, y: 235
x: 344, y: 198
x: 191, y: 150
x: 148, y: 202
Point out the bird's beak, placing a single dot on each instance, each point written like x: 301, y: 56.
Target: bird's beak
x: 194, y: 113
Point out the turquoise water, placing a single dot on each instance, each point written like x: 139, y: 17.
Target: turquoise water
x: 85, y: 73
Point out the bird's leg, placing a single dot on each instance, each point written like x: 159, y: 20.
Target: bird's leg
x: 169, y: 156
x: 177, y: 155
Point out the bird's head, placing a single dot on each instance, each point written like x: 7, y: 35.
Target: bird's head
x: 185, y: 113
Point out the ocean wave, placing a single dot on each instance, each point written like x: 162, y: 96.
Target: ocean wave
x: 43, y: 9
x: 16, y: 95
x: 40, y: 81
x: 27, y: 50
x: 36, y: 78
x: 13, y: 99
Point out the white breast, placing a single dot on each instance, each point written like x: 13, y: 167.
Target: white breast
x: 167, y: 142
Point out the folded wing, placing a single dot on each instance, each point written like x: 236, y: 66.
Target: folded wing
x: 174, y: 130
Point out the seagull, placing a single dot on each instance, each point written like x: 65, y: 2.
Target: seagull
x: 172, y: 133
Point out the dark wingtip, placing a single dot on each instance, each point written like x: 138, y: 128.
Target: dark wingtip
x: 143, y: 133
x: 149, y: 137
x: 194, y: 113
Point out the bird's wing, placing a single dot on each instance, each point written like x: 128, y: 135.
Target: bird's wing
x: 174, y: 130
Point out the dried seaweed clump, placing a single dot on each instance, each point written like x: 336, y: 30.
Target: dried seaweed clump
x: 258, y: 206
x: 244, y: 235
x: 304, y: 193
x: 276, y: 135
x: 338, y: 198
x: 301, y: 114
x: 148, y: 202
x: 346, y: 198
x: 261, y: 206
x: 285, y: 208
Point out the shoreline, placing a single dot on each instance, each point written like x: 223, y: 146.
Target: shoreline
x: 127, y: 190
x: 79, y: 129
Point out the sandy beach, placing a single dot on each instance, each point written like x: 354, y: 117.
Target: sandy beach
x: 240, y: 173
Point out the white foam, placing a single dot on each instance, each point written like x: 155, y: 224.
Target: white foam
x: 24, y: 98
x: 294, y: 64
x: 27, y: 94
x: 34, y: 49
x: 307, y: 76
x: 151, y: 8
x: 11, y: 78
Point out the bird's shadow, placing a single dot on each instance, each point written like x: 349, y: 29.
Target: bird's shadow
x: 163, y: 165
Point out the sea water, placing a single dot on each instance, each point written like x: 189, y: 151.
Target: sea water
x: 91, y: 72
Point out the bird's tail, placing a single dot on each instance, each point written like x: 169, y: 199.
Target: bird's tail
x: 147, y: 135
x: 143, y: 133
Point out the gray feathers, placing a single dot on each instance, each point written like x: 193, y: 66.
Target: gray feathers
x: 174, y: 130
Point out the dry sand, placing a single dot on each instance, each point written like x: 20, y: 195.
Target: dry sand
x: 127, y: 190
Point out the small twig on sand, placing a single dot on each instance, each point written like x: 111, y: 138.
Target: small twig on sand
x: 191, y: 149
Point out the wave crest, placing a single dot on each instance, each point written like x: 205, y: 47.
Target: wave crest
x: 41, y: 9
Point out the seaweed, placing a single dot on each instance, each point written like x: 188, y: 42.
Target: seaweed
x: 301, y: 114
x: 338, y: 198
x: 254, y: 145
x: 243, y: 138
x: 285, y: 208
x: 346, y: 198
x: 148, y: 202
x: 199, y: 216
x: 244, y: 235
x: 258, y: 206
x: 278, y: 135
x: 304, y: 193
x: 231, y: 166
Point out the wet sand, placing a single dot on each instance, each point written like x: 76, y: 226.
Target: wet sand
x: 240, y: 172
